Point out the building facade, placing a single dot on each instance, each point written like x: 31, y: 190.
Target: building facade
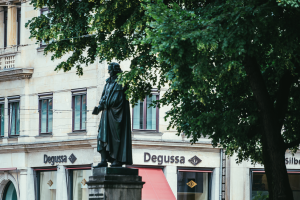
x: 48, y: 133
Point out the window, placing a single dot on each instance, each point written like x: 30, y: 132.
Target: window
x: 145, y: 117
x: 5, y: 26
x: 1, y: 119
x: 13, y: 116
x: 79, y: 109
x: 78, y: 187
x: 19, y: 25
x: 194, y: 185
x: 46, y: 185
x: 10, y: 192
x: 45, y: 113
x: 44, y: 11
x: 260, y: 184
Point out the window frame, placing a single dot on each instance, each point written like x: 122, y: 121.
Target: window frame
x: 5, y: 15
x: 45, y: 96
x: 155, y: 92
x: 42, y: 10
x: 38, y: 181
x: 78, y: 92
x: 6, y: 189
x: 14, y: 99
x: 70, y: 179
x: 2, y: 104
x: 198, y: 170
x: 18, y: 25
x: 262, y: 170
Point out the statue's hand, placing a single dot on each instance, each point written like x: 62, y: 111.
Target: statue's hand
x: 100, y: 108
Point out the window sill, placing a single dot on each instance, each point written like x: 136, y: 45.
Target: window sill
x: 43, y: 136
x: 147, y: 132
x: 41, y: 48
x: 77, y: 133
x: 12, y: 138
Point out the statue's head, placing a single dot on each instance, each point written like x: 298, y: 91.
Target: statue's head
x: 113, y: 69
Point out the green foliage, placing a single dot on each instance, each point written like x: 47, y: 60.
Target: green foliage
x: 260, y: 196
x: 196, y: 49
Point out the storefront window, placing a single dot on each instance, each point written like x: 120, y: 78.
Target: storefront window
x: 79, y: 187
x: 10, y: 192
x: 47, y: 185
x: 260, y: 184
x: 193, y: 185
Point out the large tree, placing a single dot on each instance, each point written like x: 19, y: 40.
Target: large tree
x: 231, y: 66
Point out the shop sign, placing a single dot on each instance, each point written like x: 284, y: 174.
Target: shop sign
x: 160, y: 159
x: 292, y: 160
x: 195, y: 160
x: 59, y: 159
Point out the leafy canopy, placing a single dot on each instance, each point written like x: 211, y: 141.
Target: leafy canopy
x: 195, y: 48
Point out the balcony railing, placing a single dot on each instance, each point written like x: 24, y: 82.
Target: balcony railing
x: 7, y: 57
x: 9, y: 69
x: 7, y: 62
x: 5, y: 2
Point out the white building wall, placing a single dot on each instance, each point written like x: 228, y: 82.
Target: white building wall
x: 27, y: 151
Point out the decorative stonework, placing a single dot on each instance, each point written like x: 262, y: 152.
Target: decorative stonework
x: 195, y: 160
x: 4, y: 179
x: 83, y: 182
x: 72, y: 158
x: 15, y: 74
x: 50, y: 183
x: 191, y: 184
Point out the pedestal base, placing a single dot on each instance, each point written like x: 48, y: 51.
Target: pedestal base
x: 109, y: 183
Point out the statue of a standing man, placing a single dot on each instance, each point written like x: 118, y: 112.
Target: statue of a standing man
x: 114, y: 133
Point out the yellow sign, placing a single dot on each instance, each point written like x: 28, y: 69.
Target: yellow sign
x: 191, y: 184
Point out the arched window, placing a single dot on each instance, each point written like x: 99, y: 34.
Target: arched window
x: 10, y: 192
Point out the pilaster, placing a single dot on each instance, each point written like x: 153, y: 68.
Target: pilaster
x: 61, y: 183
x: 23, y: 184
x: 11, y: 25
x: 30, y: 192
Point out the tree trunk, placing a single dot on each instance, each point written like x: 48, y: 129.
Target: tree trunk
x: 277, y: 177
x: 268, y: 167
x: 272, y: 143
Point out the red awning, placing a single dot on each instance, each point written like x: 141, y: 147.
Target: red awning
x: 156, y: 186
x: 8, y: 169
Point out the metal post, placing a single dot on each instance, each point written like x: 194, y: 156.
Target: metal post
x: 221, y: 167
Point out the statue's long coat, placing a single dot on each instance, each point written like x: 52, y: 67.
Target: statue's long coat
x: 114, y: 133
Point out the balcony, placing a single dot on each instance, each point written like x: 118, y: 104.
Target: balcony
x: 8, y: 2
x: 8, y: 69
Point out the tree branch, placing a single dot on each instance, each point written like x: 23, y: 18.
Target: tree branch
x: 292, y: 144
x: 253, y: 131
x: 258, y: 85
x: 282, y: 96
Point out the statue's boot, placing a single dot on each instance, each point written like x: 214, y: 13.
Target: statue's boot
x: 103, y: 162
x: 116, y: 164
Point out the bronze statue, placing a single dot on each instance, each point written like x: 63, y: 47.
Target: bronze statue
x: 114, y: 133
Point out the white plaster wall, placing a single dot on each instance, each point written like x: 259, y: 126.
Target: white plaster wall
x: 45, y: 79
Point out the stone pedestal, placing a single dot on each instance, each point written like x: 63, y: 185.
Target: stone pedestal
x: 109, y: 183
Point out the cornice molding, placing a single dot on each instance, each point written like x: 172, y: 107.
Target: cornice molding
x: 92, y: 143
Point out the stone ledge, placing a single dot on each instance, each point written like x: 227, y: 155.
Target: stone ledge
x: 147, y: 133
x: 41, y: 49
x: 15, y: 74
x: 43, y: 136
x: 79, y: 133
